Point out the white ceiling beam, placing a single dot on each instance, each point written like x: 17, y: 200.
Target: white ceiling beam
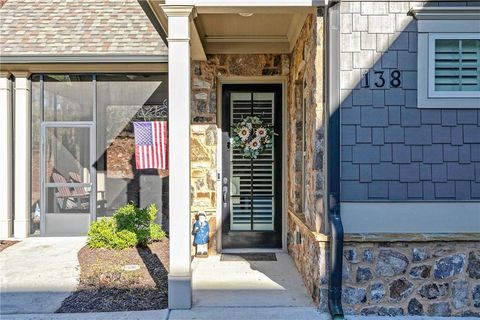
x: 254, y: 9
x: 243, y: 39
x: 197, y: 50
x: 247, y: 47
x: 245, y: 3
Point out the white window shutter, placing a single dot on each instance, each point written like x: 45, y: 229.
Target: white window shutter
x: 457, y: 65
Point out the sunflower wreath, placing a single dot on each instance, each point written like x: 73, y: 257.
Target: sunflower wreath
x: 252, y: 136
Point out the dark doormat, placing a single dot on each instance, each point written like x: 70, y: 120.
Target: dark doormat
x: 249, y: 257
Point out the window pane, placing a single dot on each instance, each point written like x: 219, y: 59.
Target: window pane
x: 67, y: 169
x: 121, y: 100
x: 66, y: 200
x: 457, y: 65
x: 68, y: 98
x: 67, y: 155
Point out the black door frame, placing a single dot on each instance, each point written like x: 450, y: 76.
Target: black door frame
x: 252, y: 239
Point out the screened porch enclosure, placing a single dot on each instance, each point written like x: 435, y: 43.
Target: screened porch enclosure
x: 83, y: 148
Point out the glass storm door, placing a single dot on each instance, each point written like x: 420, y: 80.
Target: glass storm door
x: 251, y: 188
x: 67, y: 173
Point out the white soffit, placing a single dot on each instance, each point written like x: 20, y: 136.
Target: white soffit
x: 264, y: 30
x: 221, y: 27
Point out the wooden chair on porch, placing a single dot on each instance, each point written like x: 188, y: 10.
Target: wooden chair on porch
x: 67, y: 199
x: 82, y: 191
x: 78, y: 179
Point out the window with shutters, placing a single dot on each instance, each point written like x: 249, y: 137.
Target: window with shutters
x: 448, y: 57
x: 454, y: 65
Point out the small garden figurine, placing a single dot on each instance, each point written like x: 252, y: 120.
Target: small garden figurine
x: 200, y: 232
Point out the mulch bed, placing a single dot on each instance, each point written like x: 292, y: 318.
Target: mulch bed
x: 105, y: 286
x: 4, y: 244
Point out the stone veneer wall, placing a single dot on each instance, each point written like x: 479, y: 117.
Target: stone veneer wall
x: 307, y: 71
x: 310, y: 258
x: 416, y: 278
x: 434, y: 278
x: 306, y: 84
x: 204, y: 127
x: 205, y: 73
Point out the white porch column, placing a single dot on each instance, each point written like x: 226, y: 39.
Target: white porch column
x: 6, y: 194
x: 180, y: 276
x: 22, y: 155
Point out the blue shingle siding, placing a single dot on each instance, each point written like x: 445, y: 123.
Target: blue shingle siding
x: 378, y: 190
x: 415, y: 190
x: 401, y: 154
x: 391, y: 149
x: 365, y: 173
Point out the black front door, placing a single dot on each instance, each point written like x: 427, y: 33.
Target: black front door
x: 252, y: 188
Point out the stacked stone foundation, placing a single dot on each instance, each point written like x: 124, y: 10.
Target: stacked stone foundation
x: 423, y: 278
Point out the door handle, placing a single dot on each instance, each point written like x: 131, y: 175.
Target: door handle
x: 225, y: 194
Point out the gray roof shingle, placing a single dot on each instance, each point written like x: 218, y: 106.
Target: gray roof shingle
x: 73, y: 27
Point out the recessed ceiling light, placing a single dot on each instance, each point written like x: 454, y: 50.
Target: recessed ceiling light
x: 246, y: 14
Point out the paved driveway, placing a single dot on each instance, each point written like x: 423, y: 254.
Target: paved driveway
x: 37, y: 274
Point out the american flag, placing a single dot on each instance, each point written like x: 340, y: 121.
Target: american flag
x: 151, y: 145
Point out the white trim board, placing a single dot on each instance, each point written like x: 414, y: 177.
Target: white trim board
x: 245, y: 3
x: 411, y: 217
x: 84, y: 58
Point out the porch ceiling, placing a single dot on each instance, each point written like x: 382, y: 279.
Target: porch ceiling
x: 250, y: 30
x: 233, y: 30
x: 242, y: 29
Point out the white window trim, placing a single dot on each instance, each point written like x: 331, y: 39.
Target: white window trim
x: 450, y: 23
x: 432, y: 93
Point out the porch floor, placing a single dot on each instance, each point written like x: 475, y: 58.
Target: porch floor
x: 248, y: 284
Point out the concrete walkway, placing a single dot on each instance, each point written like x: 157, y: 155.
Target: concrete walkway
x: 272, y: 313
x: 37, y: 274
x: 248, y: 290
x: 214, y: 314
x: 248, y: 284
x: 128, y: 315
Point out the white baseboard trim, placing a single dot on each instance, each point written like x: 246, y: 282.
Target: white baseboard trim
x: 411, y: 217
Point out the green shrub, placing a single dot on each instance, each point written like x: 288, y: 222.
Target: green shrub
x: 100, y: 233
x: 104, y: 234
x: 129, y: 217
x: 123, y: 239
x: 156, y: 232
x: 152, y: 212
x: 129, y: 226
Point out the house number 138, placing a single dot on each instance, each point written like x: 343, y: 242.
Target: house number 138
x: 379, y: 79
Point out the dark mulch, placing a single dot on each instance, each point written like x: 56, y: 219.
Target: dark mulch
x: 105, y: 286
x: 4, y: 244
